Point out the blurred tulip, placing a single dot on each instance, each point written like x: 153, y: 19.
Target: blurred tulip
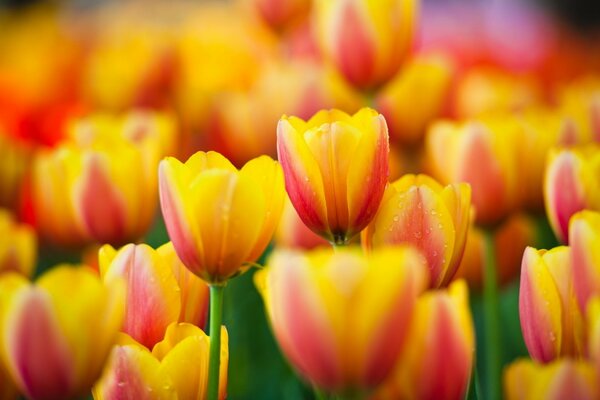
x: 366, y: 41
x: 220, y: 219
x: 510, y: 240
x: 442, y: 324
x: 279, y: 14
x: 416, y: 97
x: 57, y: 333
x: 561, y: 379
x: 100, y: 186
x: 176, y: 368
x: 18, y: 248
x: 580, y: 101
x: 293, y: 234
x: 419, y: 211
x: 341, y: 317
x: 153, y: 290
x: 584, y: 238
x: 481, y: 153
x: 14, y: 165
x: 571, y: 184
x: 336, y: 169
x: 593, y: 332
x: 551, y: 319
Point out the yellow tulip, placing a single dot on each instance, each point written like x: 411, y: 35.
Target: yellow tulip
x: 176, y: 368
x: 220, y: 219
x: 341, y: 317
x: 580, y: 102
x: 336, y: 169
x: 366, y: 41
x: 419, y: 211
x: 440, y: 347
x: 79, y: 318
x: 18, y: 248
x: 561, y: 379
x: 584, y: 237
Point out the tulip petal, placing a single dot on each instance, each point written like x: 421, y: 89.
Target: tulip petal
x: 584, y: 237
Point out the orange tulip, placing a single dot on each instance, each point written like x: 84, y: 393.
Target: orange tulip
x: 279, y: 14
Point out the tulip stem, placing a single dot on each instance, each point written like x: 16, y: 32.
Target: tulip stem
x: 491, y: 319
x: 214, y: 363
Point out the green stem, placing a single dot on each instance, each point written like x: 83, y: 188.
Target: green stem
x: 319, y: 394
x: 491, y: 319
x: 216, y: 316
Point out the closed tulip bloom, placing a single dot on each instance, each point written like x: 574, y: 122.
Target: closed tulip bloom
x: 176, y: 368
x: 482, y: 154
x: 584, y: 238
x: 442, y: 325
x: 18, y: 247
x: 220, y: 219
x: 341, y: 317
x: 366, y: 41
x: 336, y: 169
x: 419, y: 211
x: 58, y: 333
x: 571, y: 184
x: 561, y: 379
x: 551, y: 319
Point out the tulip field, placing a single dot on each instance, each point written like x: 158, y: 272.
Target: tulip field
x: 299, y: 199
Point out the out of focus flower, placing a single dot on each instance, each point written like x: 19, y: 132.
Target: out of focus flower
x: 593, y: 331
x: 341, y: 317
x: 366, y: 41
x: 440, y: 347
x: 14, y: 165
x: 336, y: 169
x: 580, y: 101
x: 18, y: 247
x: 155, y: 298
x: 510, y: 240
x: 101, y: 186
x: 584, y: 239
x: 415, y: 97
x: 176, y: 368
x: 293, y: 234
x: 571, y: 184
x: 220, y: 219
x: 551, y: 319
x: 280, y: 14
x: 481, y: 153
x: 57, y: 333
x: 419, y: 211
x: 561, y: 379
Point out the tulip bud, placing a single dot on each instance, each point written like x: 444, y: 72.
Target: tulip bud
x: 366, y: 41
x: 419, y: 211
x: 220, y: 219
x: 551, y: 319
x: 561, y: 379
x: 341, y: 317
x: 176, y: 368
x: 584, y: 237
x: 336, y: 169
x: 18, y: 248
x: 571, y: 184
x: 58, y: 332
x: 442, y: 324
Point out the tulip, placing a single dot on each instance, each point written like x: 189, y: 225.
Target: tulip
x: 366, y: 41
x: 14, y: 165
x: 551, y: 319
x: 176, y: 368
x: 482, y: 154
x: 153, y: 290
x: 571, y: 184
x: 58, y: 332
x: 419, y: 211
x: 336, y: 169
x: 280, y: 14
x: 416, y: 97
x: 341, y: 317
x: 220, y: 219
x: 18, y: 247
x: 584, y: 237
x: 442, y: 325
x: 580, y: 101
x: 593, y: 331
x: 561, y: 379
x: 293, y: 234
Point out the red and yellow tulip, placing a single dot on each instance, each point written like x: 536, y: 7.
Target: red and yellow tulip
x: 366, y: 41
x: 336, y: 169
x: 291, y: 232
x: 551, y: 319
x: 176, y: 368
x: 584, y: 239
x: 79, y: 318
x: 220, y: 219
x: 341, y: 317
x: 419, y: 211
x: 18, y: 248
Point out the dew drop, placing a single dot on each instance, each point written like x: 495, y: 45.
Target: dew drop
x: 418, y: 234
x: 396, y: 218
